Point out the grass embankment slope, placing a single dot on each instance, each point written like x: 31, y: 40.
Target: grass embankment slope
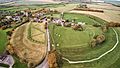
x: 18, y: 64
x: 76, y: 43
x: 111, y: 60
x: 71, y: 43
x: 116, y: 52
x: 3, y: 41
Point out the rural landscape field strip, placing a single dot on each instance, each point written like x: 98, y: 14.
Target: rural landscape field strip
x: 85, y: 61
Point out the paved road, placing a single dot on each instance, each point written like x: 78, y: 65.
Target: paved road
x: 44, y: 64
x: 7, y: 3
x: 8, y: 60
x: 91, y: 60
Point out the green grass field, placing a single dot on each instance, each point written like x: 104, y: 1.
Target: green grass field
x: 3, y: 41
x: 80, y: 18
x: 111, y: 60
x: 74, y: 45
x: 18, y: 64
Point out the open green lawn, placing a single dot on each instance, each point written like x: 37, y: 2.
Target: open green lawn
x: 3, y: 41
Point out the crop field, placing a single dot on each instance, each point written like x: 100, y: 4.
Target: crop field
x: 74, y: 45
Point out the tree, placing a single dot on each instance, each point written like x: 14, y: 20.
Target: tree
x: 98, y: 39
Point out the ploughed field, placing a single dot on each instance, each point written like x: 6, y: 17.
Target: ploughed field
x: 74, y: 45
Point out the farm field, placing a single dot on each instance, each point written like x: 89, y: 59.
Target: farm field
x: 80, y: 18
x: 34, y: 6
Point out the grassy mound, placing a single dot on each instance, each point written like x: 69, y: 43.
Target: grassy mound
x: 111, y: 60
x: 73, y: 45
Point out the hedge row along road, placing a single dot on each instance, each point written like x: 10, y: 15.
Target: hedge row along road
x: 91, y: 60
